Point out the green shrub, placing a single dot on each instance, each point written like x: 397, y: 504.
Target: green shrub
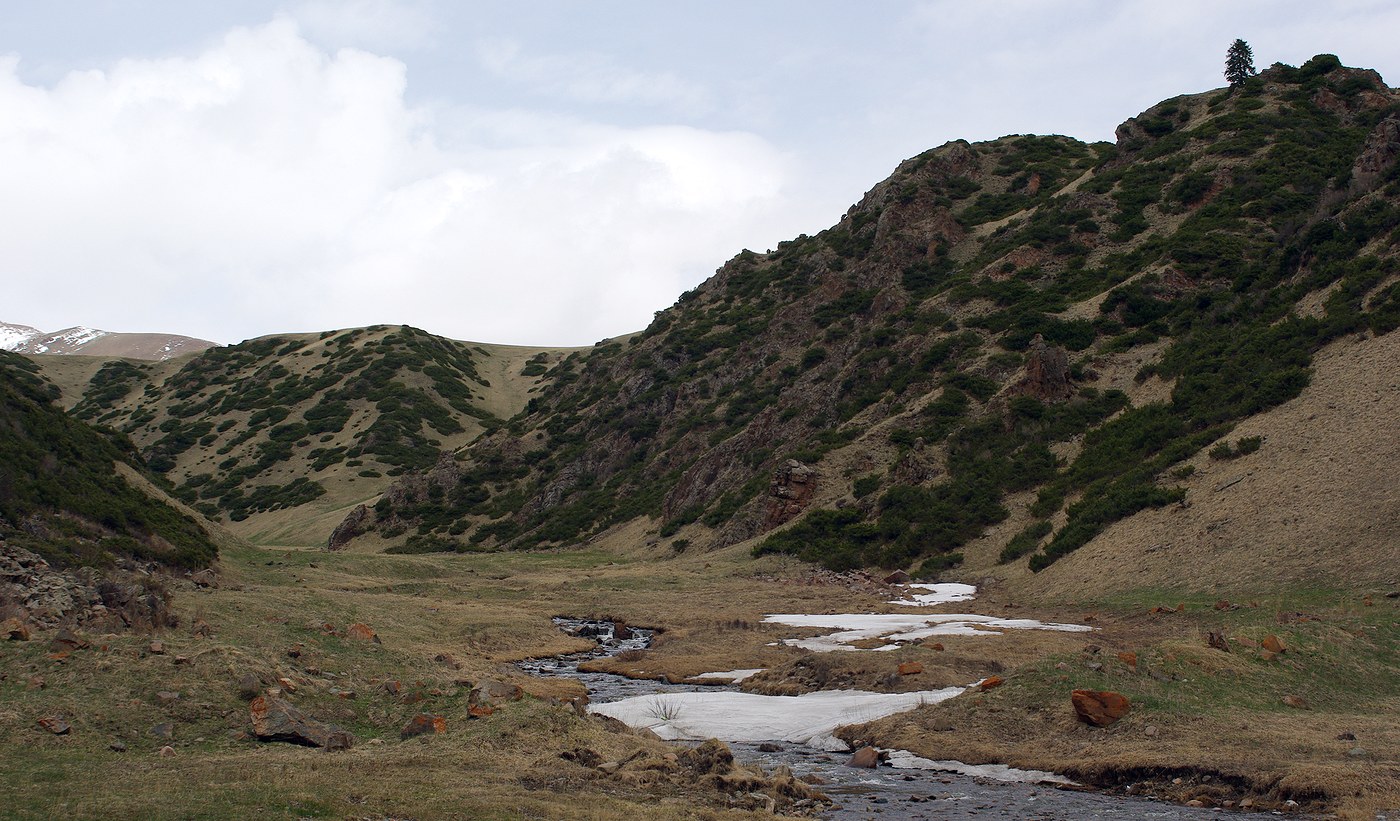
x: 1025, y: 542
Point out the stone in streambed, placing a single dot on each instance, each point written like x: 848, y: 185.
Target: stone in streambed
x: 867, y: 758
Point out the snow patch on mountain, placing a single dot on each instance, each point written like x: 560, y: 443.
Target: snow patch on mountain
x: 12, y: 337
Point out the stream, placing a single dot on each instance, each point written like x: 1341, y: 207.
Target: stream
x: 906, y: 791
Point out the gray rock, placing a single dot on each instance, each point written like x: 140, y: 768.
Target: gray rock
x: 277, y: 720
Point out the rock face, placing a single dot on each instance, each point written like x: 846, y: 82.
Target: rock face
x: 1047, y: 373
x: 1099, y: 707
x: 351, y: 526
x: 277, y: 720
x: 49, y: 597
x: 793, y: 486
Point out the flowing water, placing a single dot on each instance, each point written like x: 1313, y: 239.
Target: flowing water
x: 888, y: 793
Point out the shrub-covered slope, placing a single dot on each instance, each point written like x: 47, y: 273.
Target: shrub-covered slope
x: 60, y: 494
x: 277, y: 422
x: 963, y: 333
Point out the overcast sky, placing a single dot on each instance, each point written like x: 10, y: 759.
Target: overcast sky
x: 546, y: 173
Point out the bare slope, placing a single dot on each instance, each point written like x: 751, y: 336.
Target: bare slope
x: 1317, y: 503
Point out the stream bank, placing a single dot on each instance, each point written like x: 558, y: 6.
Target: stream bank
x: 899, y: 790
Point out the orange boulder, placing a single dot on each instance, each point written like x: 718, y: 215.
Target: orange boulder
x: 1099, y: 707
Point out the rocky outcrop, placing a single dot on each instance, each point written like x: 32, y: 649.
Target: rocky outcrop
x: 919, y: 465
x: 793, y: 486
x: 1046, y: 375
x: 48, y: 597
x: 351, y: 526
x: 1381, y: 150
x: 277, y: 720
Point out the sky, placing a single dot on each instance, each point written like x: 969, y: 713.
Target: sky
x: 543, y: 173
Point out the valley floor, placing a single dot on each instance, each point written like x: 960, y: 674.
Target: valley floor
x: 1316, y: 724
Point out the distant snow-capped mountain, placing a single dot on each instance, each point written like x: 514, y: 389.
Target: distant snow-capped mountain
x: 93, y: 342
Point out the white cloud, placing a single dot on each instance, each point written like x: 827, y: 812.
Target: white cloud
x: 372, y: 24
x: 267, y: 185
x: 592, y: 78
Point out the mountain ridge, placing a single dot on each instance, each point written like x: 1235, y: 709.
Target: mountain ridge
x: 83, y: 341
x: 1223, y: 239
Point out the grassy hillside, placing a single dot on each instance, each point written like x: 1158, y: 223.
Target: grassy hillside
x: 1029, y: 315
x: 60, y: 493
x: 311, y: 422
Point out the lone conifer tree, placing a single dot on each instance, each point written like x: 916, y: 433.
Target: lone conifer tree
x: 1239, y: 63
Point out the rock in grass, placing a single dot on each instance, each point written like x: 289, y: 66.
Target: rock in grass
x: 492, y: 693
x: 1273, y: 644
x: 277, y: 720
x: 423, y: 724
x: 249, y: 686
x: 14, y: 630
x: 55, y: 725
x: 67, y: 641
x: 1296, y: 702
x: 1099, y: 707
x: 362, y: 632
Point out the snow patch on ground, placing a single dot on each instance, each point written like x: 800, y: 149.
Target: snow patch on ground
x: 732, y: 716
x: 941, y: 593
x: 731, y: 676
x: 905, y: 760
x: 902, y: 627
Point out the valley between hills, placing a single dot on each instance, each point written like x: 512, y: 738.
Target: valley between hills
x: 1146, y: 390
